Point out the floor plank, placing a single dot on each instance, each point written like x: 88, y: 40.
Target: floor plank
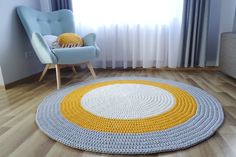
x: 19, y: 135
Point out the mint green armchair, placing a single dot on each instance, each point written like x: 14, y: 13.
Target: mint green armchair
x: 37, y: 24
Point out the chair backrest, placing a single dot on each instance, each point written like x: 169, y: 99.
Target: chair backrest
x: 46, y: 23
x: 38, y: 23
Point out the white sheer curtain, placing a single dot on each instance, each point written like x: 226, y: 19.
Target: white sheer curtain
x: 133, y: 33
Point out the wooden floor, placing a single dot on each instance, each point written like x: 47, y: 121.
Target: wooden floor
x: 20, y: 137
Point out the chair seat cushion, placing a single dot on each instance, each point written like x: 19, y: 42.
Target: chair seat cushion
x: 75, y: 55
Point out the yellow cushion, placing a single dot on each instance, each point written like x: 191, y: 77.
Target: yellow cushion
x: 70, y: 40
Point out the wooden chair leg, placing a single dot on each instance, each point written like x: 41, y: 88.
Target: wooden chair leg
x: 58, y: 76
x: 90, y: 66
x: 74, y: 70
x: 44, y: 72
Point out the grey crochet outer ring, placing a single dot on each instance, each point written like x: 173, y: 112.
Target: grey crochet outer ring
x: 201, y: 126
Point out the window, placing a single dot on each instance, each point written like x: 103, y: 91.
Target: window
x: 107, y: 12
x: 132, y: 33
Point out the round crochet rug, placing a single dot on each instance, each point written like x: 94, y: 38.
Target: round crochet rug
x: 129, y: 115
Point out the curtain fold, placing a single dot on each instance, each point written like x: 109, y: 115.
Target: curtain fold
x: 194, y: 32
x: 61, y: 4
x: 129, y: 37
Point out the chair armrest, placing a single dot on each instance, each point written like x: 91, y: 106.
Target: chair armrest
x: 90, y: 40
x: 98, y: 50
x: 44, y: 53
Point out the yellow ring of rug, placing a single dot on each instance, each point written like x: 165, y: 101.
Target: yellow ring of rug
x: 183, y: 110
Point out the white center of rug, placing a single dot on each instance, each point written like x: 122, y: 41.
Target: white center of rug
x: 127, y: 101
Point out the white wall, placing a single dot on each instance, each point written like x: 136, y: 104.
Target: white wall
x: 226, y: 19
x: 227, y: 15
x: 1, y: 78
x: 17, y: 58
x: 45, y: 5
